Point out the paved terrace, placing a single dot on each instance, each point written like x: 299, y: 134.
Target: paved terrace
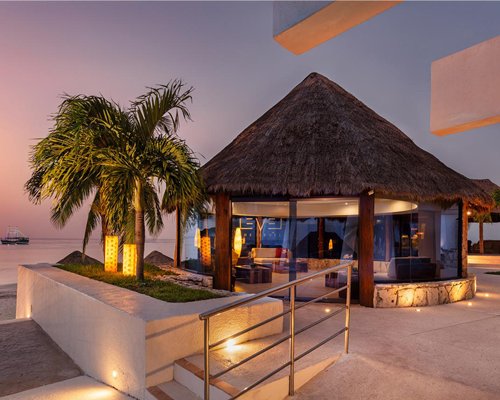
x: 441, y: 352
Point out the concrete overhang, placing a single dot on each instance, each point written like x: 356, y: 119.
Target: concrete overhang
x: 465, y: 89
x: 301, y: 25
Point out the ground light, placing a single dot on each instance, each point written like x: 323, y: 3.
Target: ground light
x: 114, y: 374
x: 231, y: 344
x: 129, y: 259
x: 418, y: 309
x: 469, y: 303
x: 111, y: 253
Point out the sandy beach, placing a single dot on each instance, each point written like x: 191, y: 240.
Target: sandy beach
x: 7, y: 301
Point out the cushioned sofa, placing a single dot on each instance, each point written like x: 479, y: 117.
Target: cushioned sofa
x: 269, y: 255
x: 412, y: 268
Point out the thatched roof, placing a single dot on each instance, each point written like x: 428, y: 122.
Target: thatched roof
x: 319, y: 140
x: 157, y: 258
x: 76, y: 257
x: 489, y: 187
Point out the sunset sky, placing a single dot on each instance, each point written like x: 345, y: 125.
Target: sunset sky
x: 226, y: 51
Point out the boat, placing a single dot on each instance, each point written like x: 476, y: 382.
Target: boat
x: 15, y: 236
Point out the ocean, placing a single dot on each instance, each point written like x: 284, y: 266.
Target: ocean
x: 53, y: 250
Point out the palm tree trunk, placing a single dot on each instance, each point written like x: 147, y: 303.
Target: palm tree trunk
x: 177, y: 249
x: 104, y: 233
x: 139, y: 228
x: 481, y: 237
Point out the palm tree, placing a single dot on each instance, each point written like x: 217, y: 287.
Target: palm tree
x: 64, y: 167
x: 150, y: 158
x: 121, y: 157
x: 482, y: 217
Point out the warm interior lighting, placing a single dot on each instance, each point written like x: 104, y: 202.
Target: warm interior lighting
x: 114, y: 374
x: 330, y: 245
x: 111, y: 253
x: 129, y: 259
x: 205, y: 252
x: 238, y: 241
x: 197, y: 238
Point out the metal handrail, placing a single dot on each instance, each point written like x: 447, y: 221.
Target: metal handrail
x: 205, y: 317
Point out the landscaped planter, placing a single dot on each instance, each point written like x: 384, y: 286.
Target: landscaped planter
x: 424, y: 293
x: 125, y: 339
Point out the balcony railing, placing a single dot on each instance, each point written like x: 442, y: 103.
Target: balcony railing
x: 291, y: 286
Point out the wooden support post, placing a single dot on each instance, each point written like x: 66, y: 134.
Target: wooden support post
x: 365, y: 246
x: 292, y: 274
x: 481, y: 236
x: 178, y: 239
x: 258, y: 231
x: 223, y: 255
x: 389, y: 237
x: 321, y: 237
x: 463, y: 225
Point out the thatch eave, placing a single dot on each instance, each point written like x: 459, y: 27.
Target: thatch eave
x: 320, y: 141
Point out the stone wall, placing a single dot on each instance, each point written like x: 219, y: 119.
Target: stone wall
x: 424, y: 293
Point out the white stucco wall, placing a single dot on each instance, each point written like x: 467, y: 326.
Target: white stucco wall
x: 122, y: 338
x: 491, y: 231
x: 465, y: 89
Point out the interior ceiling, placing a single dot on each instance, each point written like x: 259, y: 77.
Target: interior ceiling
x: 340, y: 207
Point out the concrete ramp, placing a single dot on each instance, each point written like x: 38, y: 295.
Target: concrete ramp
x: 30, y: 358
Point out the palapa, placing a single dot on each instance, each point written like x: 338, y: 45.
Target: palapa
x: 319, y: 140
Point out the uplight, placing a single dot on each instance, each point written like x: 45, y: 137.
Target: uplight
x: 230, y: 344
x: 129, y: 259
x: 111, y: 253
x: 418, y: 309
x: 469, y: 303
x: 327, y: 310
x: 114, y: 374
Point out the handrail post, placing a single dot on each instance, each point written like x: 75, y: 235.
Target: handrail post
x: 347, y: 309
x: 206, y: 361
x: 291, y: 379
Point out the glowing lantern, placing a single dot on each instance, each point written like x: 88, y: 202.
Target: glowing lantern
x: 238, y: 241
x: 197, y: 238
x: 111, y: 253
x: 129, y: 259
x: 205, y: 252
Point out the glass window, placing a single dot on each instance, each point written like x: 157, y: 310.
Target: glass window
x: 414, y: 243
x: 282, y: 241
x: 198, y: 244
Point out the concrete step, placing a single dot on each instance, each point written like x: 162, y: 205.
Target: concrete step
x: 171, y: 391
x: 189, y: 371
